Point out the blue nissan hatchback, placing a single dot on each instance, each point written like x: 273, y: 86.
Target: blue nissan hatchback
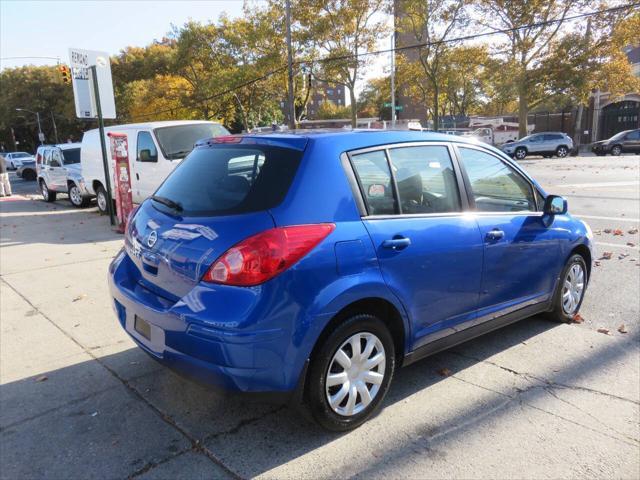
x: 317, y: 263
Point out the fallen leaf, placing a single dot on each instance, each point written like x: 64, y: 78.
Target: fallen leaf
x: 631, y: 244
x: 607, y: 230
x: 444, y: 372
x: 577, y: 318
x: 598, y: 232
x: 606, y: 255
x: 604, y: 330
x: 596, y: 263
x: 633, y: 231
x: 42, y: 378
x: 618, y: 232
x: 622, y: 329
x: 79, y: 297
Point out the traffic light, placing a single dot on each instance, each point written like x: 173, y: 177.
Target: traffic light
x: 66, y: 73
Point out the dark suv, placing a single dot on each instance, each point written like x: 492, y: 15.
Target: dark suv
x: 626, y: 141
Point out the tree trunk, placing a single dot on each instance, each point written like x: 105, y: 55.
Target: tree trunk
x: 577, y: 130
x: 523, y: 109
x: 354, y: 106
x: 436, y: 108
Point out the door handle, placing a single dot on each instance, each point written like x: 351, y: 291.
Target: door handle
x: 495, y: 234
x: 397, y: 243
x: 137, y: 177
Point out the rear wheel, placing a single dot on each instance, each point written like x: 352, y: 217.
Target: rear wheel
x: 570, y: 291
x: 350, y: 373
x: 616, y: 150
x: 101, y: 199
x: 562, y: 151
x: 47, y: 195
x: 520, y: 153
x: 76, y: 198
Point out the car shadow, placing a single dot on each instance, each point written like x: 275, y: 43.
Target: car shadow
x: 247, y: 436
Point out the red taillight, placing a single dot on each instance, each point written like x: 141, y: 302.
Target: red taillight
x: 227, y: 139
x: 263, y: 256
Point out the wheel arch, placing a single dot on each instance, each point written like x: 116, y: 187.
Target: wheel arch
x: 585, y: 253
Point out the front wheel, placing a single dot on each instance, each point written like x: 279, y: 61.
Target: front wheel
x: 101, y: 200
x: 570, y: 291
x: 350, y: 373
x: 521, y: 153
x: 562, y: 151
x: 616, y: 150
x: 76, y: 198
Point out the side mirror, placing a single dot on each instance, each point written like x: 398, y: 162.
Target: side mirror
x: 145, y: 156
x: 555, y: 205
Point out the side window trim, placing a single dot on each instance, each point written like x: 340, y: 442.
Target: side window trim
x: 515, y: 168
x: 358, y: 192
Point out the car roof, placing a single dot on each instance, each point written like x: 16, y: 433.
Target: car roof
x: 62, y: 146
x: 152, y: 125
x: 352, y: 139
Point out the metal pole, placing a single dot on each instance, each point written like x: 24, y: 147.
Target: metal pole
x: 393, y: 80
x: 39, y: 128
x: 55, y: 128
x: 103, y: 144
x: 292, y: 108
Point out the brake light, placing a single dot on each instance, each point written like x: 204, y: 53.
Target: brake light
x: 227, y: 139
x: 263, y: 256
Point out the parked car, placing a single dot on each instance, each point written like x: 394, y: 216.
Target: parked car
x: 28, y: 170
x: 14, y: 160
x: 546, y: 144
x: 313, y: 265
x: 627, y: 141
x: 59, y: 171
x: 155, y: 149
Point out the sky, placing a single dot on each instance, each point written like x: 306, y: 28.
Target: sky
x: 48, y: 28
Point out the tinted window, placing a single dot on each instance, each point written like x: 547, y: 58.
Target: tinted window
x: 374, y: 177
x: 147, y: 151
x: 633, y: 135
x: 425, y: 178
x: 56, y: 158
x: 231, y: 179
x: 535, y: 138
x: 71, y: 155
x: 552, y: 136
x: 176, y: 142
x: 496, y: 186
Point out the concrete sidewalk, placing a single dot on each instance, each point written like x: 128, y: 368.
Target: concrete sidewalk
x: 79, y: 400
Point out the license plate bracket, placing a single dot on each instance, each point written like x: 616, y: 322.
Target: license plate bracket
x: 142, y: 327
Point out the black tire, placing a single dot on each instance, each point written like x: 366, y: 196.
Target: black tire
x: 562, y: 151
x: 47, y: 195
x: 76, y: 198
x: 616, y: 150
x: 520, y: 153
x: 102, y: 200
x: 322, y: 361
x: 559, y: 312
x: 29, y: 175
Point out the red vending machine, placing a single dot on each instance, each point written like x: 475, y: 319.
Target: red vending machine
x: 122, y: 178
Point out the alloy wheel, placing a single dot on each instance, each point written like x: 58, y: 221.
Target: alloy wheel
x: 74, y: 195
x: 562, y: 152
x: 44, y: 190
x: 521, y: 153
x: 355, y: 374
x: 573, y: 289
x: 616, y: 150
x: 102, y: 201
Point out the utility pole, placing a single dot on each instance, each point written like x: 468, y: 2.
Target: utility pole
x: 37, y: 114
x: 291, y: 105
x: 55, y: 128
x: 393, y: 79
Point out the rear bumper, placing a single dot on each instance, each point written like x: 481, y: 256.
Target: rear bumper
x: 196, y: 344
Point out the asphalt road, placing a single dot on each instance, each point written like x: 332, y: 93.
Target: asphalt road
x: 533, y: 400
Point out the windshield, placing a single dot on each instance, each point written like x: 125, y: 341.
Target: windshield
x: 230, y: 179
x: 20, y: 155
x: 71, y: 155
x: 618, y: 136
x: 177, y: 142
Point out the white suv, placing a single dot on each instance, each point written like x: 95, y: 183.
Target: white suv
x: 59, y: 171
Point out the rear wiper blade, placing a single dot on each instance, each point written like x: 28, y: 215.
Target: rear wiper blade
x: 168, y: 202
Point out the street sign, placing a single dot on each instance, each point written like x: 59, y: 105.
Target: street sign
x: 81, y: 62
x: 386, y: 104
x: 399, y: 108
x: 41, y: 137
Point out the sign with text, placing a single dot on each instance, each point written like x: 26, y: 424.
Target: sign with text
x: 81, y: 62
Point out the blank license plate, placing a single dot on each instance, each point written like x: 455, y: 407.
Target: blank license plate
x: 142, y: 327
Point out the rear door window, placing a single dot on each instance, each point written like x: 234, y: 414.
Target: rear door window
x: 71, y: 156
x: 426, y: 179
x: 230, y: 179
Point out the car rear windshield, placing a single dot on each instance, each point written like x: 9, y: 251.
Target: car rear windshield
x: 71, y: 155
x: 229, y: 179
x: 178, y: 141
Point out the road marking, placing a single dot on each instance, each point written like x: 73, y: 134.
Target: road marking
x: 617, y: 245
x: 596, y: 217
x: 600, y: 184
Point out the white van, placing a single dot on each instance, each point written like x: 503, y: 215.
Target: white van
x: 155, y: 149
